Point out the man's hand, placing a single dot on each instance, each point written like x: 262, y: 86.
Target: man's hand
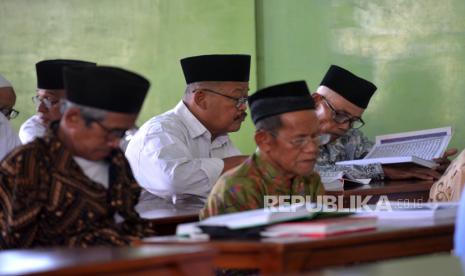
x: 233, y: 161
x: 407, y: 172
x: 444, y: 160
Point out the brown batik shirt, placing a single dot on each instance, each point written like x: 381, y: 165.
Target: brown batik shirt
x: 47, y: 200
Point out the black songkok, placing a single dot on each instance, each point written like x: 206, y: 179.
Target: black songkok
x: 216, y: 68
x: 50, y: 72
x: 353, y: 88
x: 278, y: 99
x: 103, y: 87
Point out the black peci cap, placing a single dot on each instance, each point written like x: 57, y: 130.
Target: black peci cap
x: 281, y: 98
x: 50, y: 72
x: 353, y: 88
x: 108, y: 88
x: 216, y: 68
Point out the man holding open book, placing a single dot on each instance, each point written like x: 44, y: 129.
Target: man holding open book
x: 340, y: 101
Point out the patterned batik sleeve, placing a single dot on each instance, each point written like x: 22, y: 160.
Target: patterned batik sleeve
x: 362, y: 144
x: 125, y: 197
x: 355, y: 147
x: 99, y: 236
x: 20, y: 200
x: 236, y: 194
x: 373, y: 171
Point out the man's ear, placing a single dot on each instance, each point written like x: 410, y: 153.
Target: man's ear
x: 72, y: 118
x: 264, y: 140
x: 317, y: 98
x: 200, y: 99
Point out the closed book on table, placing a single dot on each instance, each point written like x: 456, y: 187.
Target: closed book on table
x: 249, y: 224
x: 321, y: 227
x: 399, y: 210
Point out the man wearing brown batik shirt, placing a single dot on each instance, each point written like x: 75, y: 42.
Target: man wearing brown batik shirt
x: 74, y: 187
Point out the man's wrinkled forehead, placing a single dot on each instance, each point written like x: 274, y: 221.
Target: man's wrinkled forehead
x: 226, y: 86
x: 57, y: 93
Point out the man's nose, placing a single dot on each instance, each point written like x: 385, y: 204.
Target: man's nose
x: 311, y: 147
x: 114, y: 142
x: 345, y: 126
x: 42, y: 108
x: 243, y: 107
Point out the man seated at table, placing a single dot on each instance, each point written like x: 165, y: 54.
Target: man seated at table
x: 50, y: 91
x: 74, y: 187
x: 8, y: 137
x: 287, y: 138
x: 7, y: 99
x: 451, y: 184
x: 340, y: 101
x: 178, y: 156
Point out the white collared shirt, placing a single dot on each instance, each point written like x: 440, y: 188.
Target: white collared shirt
x: 97, y: 171
x: 8, y: 137
x: 31, y: 129
x: 172, y: 156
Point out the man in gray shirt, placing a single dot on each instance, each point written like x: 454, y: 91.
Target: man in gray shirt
x: 340, y: 100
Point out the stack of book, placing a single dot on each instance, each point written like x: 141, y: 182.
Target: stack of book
x: 321, y: 227
x: 254, y: 223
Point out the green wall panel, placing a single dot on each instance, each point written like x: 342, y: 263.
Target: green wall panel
x: 414, y: 51
x: 147, y: 36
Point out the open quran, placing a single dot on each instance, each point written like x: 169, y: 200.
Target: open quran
x: 416, y: 147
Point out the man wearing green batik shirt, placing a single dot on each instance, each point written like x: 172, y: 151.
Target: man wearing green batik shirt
x: 287, y: 136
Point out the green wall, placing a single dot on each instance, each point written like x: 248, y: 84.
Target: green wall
x: 414, y: 51
x: 147, y: 36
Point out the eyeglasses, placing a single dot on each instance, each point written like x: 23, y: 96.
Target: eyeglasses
x: 342, y: 118
x: 10, y: 113
x: 37, y: 100
x: 239, y: 101
x: 301, y: 142
x: 112, y: 133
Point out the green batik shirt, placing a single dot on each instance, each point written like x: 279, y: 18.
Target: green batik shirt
x: 351, y: 146
x: 244, y: 187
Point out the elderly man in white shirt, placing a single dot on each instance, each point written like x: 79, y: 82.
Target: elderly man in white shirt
x: 50, y: 91
x: 178, y: 156
x: 8, y: 137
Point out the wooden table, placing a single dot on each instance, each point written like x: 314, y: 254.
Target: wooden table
x: 400, y: 190
x: 144, y: 260
x: 430, y: 265
x: 283, y: 255
x: 166, y: 220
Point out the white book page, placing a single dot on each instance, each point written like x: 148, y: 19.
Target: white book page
x: 426, y: 144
